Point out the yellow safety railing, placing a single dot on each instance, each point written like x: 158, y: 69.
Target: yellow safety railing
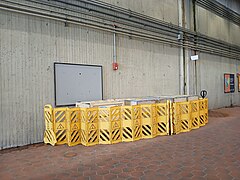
x: 89, y: 126
x: 203, y: 111
x: 73, y: 126
x: 60, y: 125
x: 109, y: 125
x: 189, y: 115
x: 49, y: 135
x: 194, y: 110
x: 148, y: 118
x: 162, y: 118
x: 131, y: 123
x: 182, y: 120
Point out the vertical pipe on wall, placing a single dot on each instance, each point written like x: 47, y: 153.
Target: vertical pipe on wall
x: 195, y: 30
x: 181, y: 50
x: 115, y: 64
x: 114, y: 48
x: 186, y: 24
x: 181, y: 63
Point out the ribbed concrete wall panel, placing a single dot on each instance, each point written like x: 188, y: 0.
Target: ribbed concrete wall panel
x: 158, y: 9
x: 217, y: 27
x: 231, y: 4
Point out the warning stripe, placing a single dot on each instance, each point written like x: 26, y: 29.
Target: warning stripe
x: 162, y: 127
x: 50, y: 136
x: 74, y: 117
x: 59, y: 116
x: 146, y: 112
x: 115, y: 116
x: 83, y: 136
x: 201, y: 105
x: 184, y: 109
x: 92, y: 138
x: 92, y: 117
x: 147, y: 130
x: 137, y: 114
x: 74, y: 136
x: 92, y: 133
x: 104, y: 115
x: 161, y: 111
x: 127, y: 133
x: 195, y: 122
x: 137, y: 131
x: 61, y: 136
x: 194, y: 107
x: 115, y: 134
x: 104, y: 135
x: 127, y: 114
x: 47, y: 116
x: 201, y: 119
x: 185, y: 125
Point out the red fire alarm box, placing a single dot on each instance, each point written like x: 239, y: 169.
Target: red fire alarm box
x: 115, y: 66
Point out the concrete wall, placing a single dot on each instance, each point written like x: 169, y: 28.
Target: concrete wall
x: 30, y: 45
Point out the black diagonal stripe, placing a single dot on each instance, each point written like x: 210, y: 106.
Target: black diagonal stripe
x: 147, y: 130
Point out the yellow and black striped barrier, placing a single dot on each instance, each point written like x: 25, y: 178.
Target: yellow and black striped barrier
x: 109, y: 125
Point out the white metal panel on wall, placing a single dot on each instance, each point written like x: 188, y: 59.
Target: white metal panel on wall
x: 77, y: 82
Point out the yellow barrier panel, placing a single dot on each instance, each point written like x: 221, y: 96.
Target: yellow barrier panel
x: 137, y: 123
x: 182, y: 117
x: 109, y: 125
x: 149, y: 125
x: 195, y: 114
x: 60, y: 125
x: 162, y: 118
x: 49, y: 134
x: 171, y: 118
x: 176, y: 121
x: 206, y: 110
x: 89, y: 126
x: 185, y: 116
x: 131, y: 123
x: 203, y: 111
x: 74, y: 126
